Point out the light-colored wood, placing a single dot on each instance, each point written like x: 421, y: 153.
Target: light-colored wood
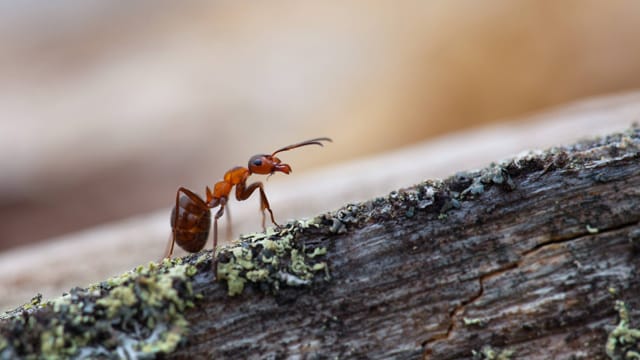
x: 89, y: 256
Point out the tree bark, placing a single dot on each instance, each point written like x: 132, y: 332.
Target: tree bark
x: 524, y: 259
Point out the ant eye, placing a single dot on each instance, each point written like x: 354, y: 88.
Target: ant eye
x: 257, y: 162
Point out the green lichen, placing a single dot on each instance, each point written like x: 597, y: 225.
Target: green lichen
x: 119, y: 297
x: 257, y: 275
x: 271, y: 258
x: 623, y: 341
x: 592, y: 230
x: 318, y: 252
x: 480, y: 322
x: 139, y: 314
x: 4, y: 343
x: 489, y: 353
x: 612, y: 291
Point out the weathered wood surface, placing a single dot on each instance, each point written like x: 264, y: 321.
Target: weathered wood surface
x: 525, y: 258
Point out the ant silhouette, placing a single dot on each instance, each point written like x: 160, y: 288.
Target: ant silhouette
x: 191, y: 216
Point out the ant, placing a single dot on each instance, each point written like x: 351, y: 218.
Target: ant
x: 191, y: 216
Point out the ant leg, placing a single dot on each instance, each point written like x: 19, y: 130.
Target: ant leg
x: 172, y: 240
x: 243, y: 193
x: 214, y: 257
x: 169, y: 250
x: 264, y: 204
x: 229, y: 224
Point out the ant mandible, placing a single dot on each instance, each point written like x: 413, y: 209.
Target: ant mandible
x: 191, y: 222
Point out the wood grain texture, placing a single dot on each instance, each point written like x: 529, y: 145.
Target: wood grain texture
x: 525, y: 258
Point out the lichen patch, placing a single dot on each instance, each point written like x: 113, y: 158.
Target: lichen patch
x: 138, y: 314
x: 271, y: 259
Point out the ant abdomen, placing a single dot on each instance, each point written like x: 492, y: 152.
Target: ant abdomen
x: 192, y: 224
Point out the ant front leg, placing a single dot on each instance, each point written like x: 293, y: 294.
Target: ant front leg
x: 243, y: 193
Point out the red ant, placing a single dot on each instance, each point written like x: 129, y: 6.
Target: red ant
x: 190, y: 224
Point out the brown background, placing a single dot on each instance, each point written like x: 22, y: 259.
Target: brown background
x: 106, y: 108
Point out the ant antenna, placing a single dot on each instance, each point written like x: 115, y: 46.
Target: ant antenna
x: 316, y: 141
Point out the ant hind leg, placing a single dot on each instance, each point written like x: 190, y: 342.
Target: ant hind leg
x: 195, y: 199
x: 228, y: 227
x: 214, y: 255
x: 168, y: 252
x: 174, y: 220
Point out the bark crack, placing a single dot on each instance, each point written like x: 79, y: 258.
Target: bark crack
x: 574, y: 236
x: 454, y: 314
x: 458, y: 308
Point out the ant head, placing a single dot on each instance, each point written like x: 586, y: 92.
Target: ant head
x: 267, y: 165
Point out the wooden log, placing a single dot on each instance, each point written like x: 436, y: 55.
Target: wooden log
x: 535, y: 257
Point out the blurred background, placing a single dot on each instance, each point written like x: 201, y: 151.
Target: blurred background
x: 107, y: 107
